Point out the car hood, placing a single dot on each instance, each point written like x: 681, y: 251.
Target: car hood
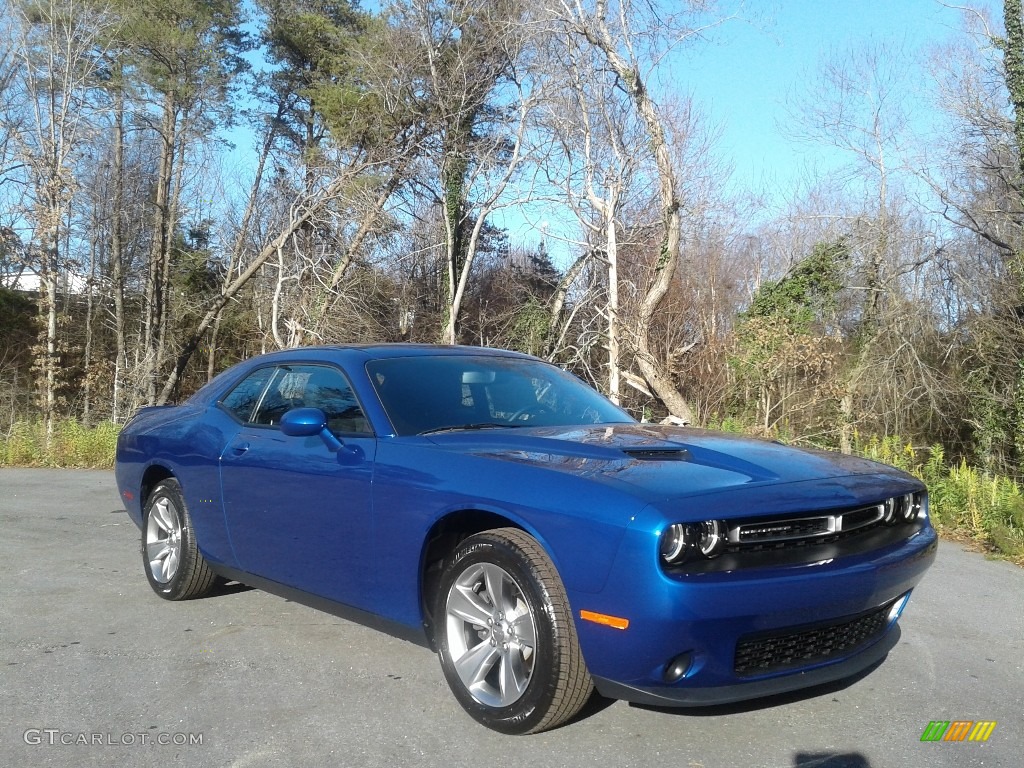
x: 662, y: 462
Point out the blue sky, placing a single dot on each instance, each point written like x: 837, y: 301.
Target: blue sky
x: 741, y: 75
x: 740, y: 78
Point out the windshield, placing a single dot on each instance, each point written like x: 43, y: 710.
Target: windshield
x: 430, y: 394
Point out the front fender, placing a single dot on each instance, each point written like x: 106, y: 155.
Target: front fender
x: 579, y: 522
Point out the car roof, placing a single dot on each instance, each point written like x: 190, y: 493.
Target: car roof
x: 339, y: 353
x: 389, y: 350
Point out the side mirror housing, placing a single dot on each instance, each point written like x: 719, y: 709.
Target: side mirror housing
x: 307, y: 422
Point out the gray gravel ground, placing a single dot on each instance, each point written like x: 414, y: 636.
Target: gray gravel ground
x: 89, y: 653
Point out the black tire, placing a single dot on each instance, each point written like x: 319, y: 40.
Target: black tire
x: 522, y: 670
x: 174, y: 566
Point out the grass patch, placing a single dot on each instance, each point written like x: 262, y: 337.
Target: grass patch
x: 965, y: 502
x: 72, y: 445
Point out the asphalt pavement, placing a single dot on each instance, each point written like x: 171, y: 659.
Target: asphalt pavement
x: 99, y: 671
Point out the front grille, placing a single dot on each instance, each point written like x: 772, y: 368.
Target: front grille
x: 783, y: 530
x: 761, y: 654
x: 800, y: 530
x: 777, y: 554
x: 862, y: 517
x: 780, y: 540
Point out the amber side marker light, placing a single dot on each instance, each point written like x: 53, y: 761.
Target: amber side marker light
x: 603, y: 618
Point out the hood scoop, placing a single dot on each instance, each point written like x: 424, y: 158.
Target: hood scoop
x: 658, y: 454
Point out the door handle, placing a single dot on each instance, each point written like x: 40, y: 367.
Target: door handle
x: 239, y: 449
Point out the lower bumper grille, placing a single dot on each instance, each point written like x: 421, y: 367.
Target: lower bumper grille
x: 762, y: 654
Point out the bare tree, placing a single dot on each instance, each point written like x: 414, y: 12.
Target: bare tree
x: 9, y: 62
x: 300, y: 212
x: 477, y: 101
x: 591, y: 160
x: 630, y: 38
x: 57, y: 42
x: 858, y: 101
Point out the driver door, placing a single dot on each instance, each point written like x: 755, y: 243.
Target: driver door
x: 297, y: 513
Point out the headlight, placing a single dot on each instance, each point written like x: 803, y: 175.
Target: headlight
x: 911, y: 505
x: 902, y: 509
x: 890, y: 511
x: 682, y: 541
x: 673, y: 542
x: 712, y: 537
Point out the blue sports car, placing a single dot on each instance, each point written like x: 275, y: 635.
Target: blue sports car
x: 544, y: 543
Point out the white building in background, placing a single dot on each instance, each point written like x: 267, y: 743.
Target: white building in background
x: 28, y: 282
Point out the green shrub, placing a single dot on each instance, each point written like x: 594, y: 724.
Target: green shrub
x: 71, y: 445
x: 964, y: 500
x: 22, y: 447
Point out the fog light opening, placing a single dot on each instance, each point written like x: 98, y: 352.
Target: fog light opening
x: 677, y: 668
x: 897, y: 607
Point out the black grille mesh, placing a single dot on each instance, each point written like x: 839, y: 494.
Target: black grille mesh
x: 759, y: 655
x: 809, y: 526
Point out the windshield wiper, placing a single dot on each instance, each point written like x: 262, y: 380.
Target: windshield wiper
x: 478, y: 425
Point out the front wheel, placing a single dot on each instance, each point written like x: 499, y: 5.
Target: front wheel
x: 506, y: 637
x: 174, y: 565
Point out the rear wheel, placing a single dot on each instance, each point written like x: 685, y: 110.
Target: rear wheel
x: 506, y: 637
x: 174, y: 566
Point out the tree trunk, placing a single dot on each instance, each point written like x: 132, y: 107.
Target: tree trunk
x: 453, y: 186
x: 654, y: 370
x: 611, y: 246
x: 159, y: 255
x: 1013, y: 64
x: 48, y: 285
x: 556, y: 307
x: 89, y: 301
x: 117, y: 253
x: 846, y: 426
x: 211, y: 349
x: 173, y: 205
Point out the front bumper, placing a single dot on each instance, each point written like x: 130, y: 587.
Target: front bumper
x: 704, y: 619
x: 674, y: 696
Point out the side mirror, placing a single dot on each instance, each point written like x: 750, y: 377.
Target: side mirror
x: 307, y: 422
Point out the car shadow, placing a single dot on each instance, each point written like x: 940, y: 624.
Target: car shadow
x: 596, y: 703
x: 225, y: 588
x: 830, y: 760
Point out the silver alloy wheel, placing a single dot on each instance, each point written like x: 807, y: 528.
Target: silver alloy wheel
x: 491, y: 634
x: 163, y: 540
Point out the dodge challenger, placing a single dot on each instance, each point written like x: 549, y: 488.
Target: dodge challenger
x: 545, y: 544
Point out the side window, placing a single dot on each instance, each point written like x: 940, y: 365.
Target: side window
x: 328, y: 390
x: 284, y: 393
x: 313, y: 386
x: 241, y: 400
